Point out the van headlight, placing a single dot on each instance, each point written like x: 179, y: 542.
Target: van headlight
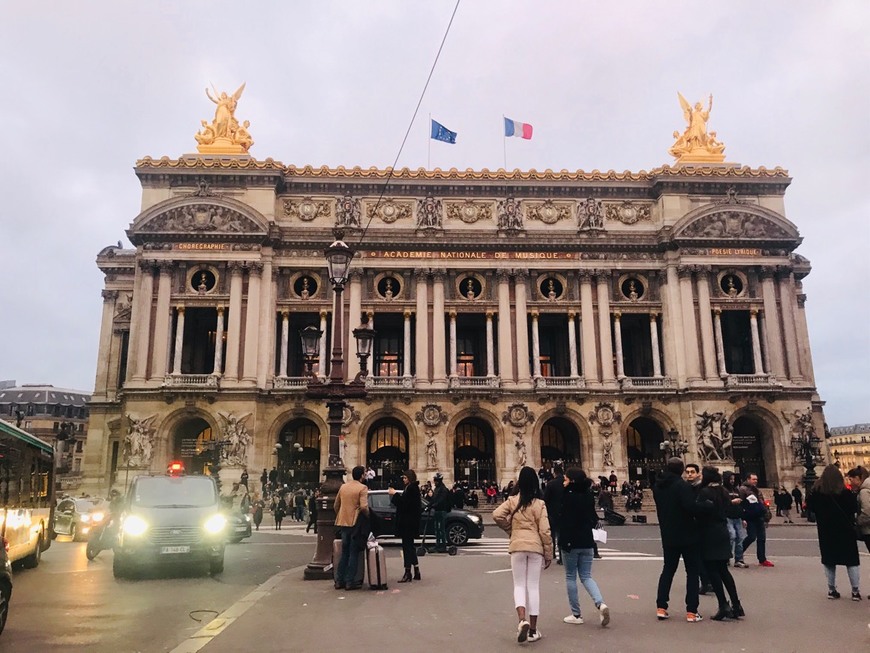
x: 134, y: 525
x: 97, y: 517
x: 474, y: 518
x: 215, y: 523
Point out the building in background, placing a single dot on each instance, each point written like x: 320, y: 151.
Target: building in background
x: 55, y: 415
x: 603, y: 319
x: 849, y: 446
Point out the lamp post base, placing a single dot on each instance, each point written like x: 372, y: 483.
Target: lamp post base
x: 321, y: 567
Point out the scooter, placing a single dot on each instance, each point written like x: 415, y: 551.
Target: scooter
x: 101, y: 537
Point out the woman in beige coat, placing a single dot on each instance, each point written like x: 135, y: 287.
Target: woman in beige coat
x: 524, y: 517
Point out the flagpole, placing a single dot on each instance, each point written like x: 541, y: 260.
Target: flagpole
x: 429, y: 155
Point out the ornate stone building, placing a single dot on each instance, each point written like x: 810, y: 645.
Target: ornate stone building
x: 849, y: 446
x: 521, y: 318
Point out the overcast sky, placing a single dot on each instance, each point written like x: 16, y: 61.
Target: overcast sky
x: 90, y: 87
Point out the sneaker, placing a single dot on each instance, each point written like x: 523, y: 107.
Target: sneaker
x: 856, y: 596
x: 833, y: 594
x: 523, y: 631
x: 572, y: 619
x: 598, y: 556
x: 740, y: 564
x: 766, y: 563
x: 662, y: 614
x: 693, y: 617
x: 535, y: 636
x: 604, y: 614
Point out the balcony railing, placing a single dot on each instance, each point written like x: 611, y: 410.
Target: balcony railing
x: 750, y: 380
x: 559, y: 382
x: 646, y: 382
x: 290, y: 382
x: 391, y: 382
x: 192, y: 381
x: 479, y: 382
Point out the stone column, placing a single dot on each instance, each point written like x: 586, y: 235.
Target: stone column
x: 285, y: 342
x: 135, y: 309
x: 160, y: 352
x: 505, y: 347
x: 406, y: 355
x: 617, y: 337
x: 179, y: 340
x: 252, y: 322
x: 219, y: 343
x: 604, y: 337
x: 654, y: 343
x: 105, y: 361
x: 145, y: 299
x: 705, y: 310
x: 536, y: 347
x: 587, y: 325
x: 803, y: 334
x: 771, y: 324
x: 351, y: 362
x: 266, y: 331
x: 756, y: 342
x: 673, y: 326
x: 234, y: 328
x: 321, y: 362
x: 439, y: 357
x: 690, y: 327
x: 720, y: 346
x: 422, y: 327
x: 520, y: 312
x: 453, y: 371
x: 572, y: 345
x: 787, y: 305
x: 490, y: 346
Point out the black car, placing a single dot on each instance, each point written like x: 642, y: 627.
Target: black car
x: 76, y: 517
x: 5, y: 586
x: 238, y: 525
x: 170, y: 519
x: 461, y: 525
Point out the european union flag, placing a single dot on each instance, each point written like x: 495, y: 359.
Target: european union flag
x: 441, y: 133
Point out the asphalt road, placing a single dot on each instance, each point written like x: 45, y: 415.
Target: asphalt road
x: 76, y: 605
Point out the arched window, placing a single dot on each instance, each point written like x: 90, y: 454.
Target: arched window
x: 388, y: 435
x: 471, y: 435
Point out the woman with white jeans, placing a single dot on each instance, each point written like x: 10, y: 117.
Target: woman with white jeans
x: 575, y: 541
x: 524, y: 517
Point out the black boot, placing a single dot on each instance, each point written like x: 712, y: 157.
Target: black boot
x: 416, y: 573
x: 407, y: 577
x: 723, y: 613
x: 737, y: 610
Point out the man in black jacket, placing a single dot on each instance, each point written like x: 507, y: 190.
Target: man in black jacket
x: 676, y: 509
x: 553, y: 498
x: 439, y: 500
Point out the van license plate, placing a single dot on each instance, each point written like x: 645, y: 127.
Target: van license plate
x: 175, y: 549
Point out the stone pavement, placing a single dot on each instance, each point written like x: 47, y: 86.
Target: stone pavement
x: 465, y: 603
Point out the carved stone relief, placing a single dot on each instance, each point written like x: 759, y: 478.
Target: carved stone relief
x: 715, y: 436
x: 431, y: 415
x: 734, y: 224
x: 510, y: 218
x: 429, y: 213
x: 347, y: 211
x: 307, y: 209
x: 605, y: 416
x: 627, y: 212
x: 139, y: 441
x: 549, y: 212
x: 389, y: 210
x: 236, y: 438
x: 201, y: 217
x: 518, y: 415
x: 590, y: 215
x: 468, y: 211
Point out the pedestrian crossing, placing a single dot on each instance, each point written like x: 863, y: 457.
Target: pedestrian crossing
x: 495, y: 546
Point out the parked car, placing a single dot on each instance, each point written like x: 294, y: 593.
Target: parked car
x: 5, y: 586
x: 461, y: 525
x: 75, y: 517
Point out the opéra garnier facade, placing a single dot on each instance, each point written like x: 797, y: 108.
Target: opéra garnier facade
x: 601, y: 319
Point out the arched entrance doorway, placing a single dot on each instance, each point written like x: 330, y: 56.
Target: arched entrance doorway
x: 193, y: 445
x: 387, y: 451
x: 299, y: 453
x: 645, y: 458
x: 749, y: 436
x: 560, y: 440
x: 474, y: 451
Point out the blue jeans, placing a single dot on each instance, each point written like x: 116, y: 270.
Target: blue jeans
x: 756, y: 529
x: 346, y: 572
x: 580, y: 561
x: 736, y: 534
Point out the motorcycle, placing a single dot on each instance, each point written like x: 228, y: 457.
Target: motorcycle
x: 101, y: 537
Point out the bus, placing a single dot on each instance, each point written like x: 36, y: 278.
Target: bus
x: 26, y: 494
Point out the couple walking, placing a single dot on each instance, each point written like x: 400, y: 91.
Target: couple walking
x: 524, y: 516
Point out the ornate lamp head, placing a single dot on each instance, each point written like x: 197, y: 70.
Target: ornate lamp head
x: 338, y: 258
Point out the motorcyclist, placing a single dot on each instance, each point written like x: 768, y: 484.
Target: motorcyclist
x: 103, y: 535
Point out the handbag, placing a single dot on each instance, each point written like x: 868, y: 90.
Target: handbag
x: 599, y: 535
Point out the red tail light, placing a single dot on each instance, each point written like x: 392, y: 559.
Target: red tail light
x: 175, y: 468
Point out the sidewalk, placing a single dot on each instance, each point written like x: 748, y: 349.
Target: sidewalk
x: 465, y: 603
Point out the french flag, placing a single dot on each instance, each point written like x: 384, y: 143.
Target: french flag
x: 517, y: 129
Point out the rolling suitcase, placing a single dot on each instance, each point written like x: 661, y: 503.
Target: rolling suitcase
x: 360, y: 563
x: 376, y: 564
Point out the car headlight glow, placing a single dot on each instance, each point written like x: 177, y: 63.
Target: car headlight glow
x: 86, y: 518
x: 215, y: 523
x: 474, y: 518
x: 134, y: 525
x: 97, y: 516
x: 247, y: 518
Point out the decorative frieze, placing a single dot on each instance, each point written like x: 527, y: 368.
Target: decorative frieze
x: 307, y: 209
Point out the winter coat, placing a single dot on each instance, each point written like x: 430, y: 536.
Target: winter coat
x: 733, y: 510
x: 835, y: 523
x: 784, y: 501
x: 864, y: 507
x: 676, y: 509
x: 409, y: 507
x: 440, y: 501
x: 753, y: 503
x: 713, y: 523
x: 578, y: 518
x: 529, y: 528
x: 553, y: 492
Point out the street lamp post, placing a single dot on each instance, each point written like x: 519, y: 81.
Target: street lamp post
x: 808, y: 449
x: 335, y: 391
x: 674, y: 446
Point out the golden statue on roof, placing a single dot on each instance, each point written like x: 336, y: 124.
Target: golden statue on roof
x: 224, y: 135
x: 696, y: 144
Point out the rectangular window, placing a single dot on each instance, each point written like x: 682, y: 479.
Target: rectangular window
x: 122, y: 359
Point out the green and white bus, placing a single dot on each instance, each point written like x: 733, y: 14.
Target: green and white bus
x: 26, y: 494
